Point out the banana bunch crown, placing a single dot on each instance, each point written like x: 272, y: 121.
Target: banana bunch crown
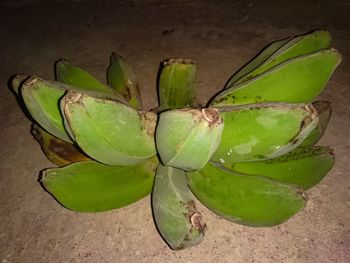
x: 248, y: 155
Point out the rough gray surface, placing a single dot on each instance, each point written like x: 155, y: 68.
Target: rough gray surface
x: 220, y: 37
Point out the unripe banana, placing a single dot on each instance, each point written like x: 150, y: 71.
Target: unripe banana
x: 109, y: 131
x: 263, y: 131
x: 121, y: 77
x: 245, y: 199
x: 187, y: 138
x: 17, y: 82
x: 176, y: 86
x: 305, y: 167
x: 174, y: 210
x: 281, y: 51
x: 93, y: 187
x: 56, y: 150
x: 297, y: 80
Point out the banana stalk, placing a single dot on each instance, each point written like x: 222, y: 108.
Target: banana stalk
x: 187, y: 138
x: 174, y: 210
x: 109, y: 131
x: 297, y: 80
x: 121, y: 77
x: 245, y: 199
x: 93, y: 187
x: 254, y: 132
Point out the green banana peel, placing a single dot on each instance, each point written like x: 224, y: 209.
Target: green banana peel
x: 196, y: 136
x: 253, y: 132
x: 109, y: 131
x: 174, y: 210
x: 293, y: 47
x: 245, y: 199
x: 121, y: 77
x: 176, y: 84
x: 305, y: 167
x: 297, y: 80
x: 94, y: 187
x: 17, y: 82
x: 56, y: 150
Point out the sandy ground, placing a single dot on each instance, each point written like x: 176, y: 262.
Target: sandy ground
x: 220, y: 37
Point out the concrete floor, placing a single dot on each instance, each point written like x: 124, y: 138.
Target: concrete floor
x: 220, y: 37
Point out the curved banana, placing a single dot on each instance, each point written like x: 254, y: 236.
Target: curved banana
x: 281, y: 51
x: 174, y: 210
x: 297, y: 80
x: 187, y: 138
x: 305, y: 167
x: 263, y: 131
x: 56, y: 150
x: 121, y: 77
x: 245, y: 199
x: 93, y: 187
x: 109, y: 131
x: 17, y: 82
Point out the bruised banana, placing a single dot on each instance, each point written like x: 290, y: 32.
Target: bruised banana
x: 187, y: 138
x: 263, y: 131
x: 121, y: 77
x: 93, y: 187
x: 297, y: 80
x: 174, y: 210
x: 324, y: 111
x: 109, y: 131
x: 305, y: 167
x: 176, y: 86
x: 57, y: 151
x: 281, y: 51
x: 245, y: 199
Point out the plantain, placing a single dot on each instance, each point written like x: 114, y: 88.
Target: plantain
x: 174, y: 210
x: 254, y: 132
x: 245, y: 199
x: 196, y: 136
x: 109, y: 131
x: 93, y: 187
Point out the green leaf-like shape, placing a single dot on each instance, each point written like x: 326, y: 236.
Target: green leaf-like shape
x: 303, y: 166
x: 245, y: 199
x: 298, y: 80
x: 93, y: 187
x: 263, y: 131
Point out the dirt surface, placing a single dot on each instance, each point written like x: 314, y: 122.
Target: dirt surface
x: 221, y: 37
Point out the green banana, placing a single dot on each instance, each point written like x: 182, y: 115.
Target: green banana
x: 281, y: 51
x: 176, y: 85
x: 121, y: 77
x: 93, y: 187
x: 187, y: 138
x: 245, y: 199
x: 57, y: 151
x: 297, y: 80
x: 174, y: 210
x: 17, y: 82
x: 324, y: 111
x: 263, y: 131
x: 305, y: 167
x: 109, y: 131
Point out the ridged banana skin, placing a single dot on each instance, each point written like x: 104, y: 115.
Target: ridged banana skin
x: 297, y: 80
x: 294, y: 47
x: 176, y: 86
x: 56, y: 150
x: 187, y: 138
x: 305, y: 167
x: 121, y: 77
x: 324, y: 111
x: 94, y: 187
x: 263, y: 131
x: 174, y: 210
x: 17, y: 83
x: 109, y: 131
x: 244, y: 199
x: 41, y: 99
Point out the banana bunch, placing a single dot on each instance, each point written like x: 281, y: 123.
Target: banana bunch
x: 249, y: 155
